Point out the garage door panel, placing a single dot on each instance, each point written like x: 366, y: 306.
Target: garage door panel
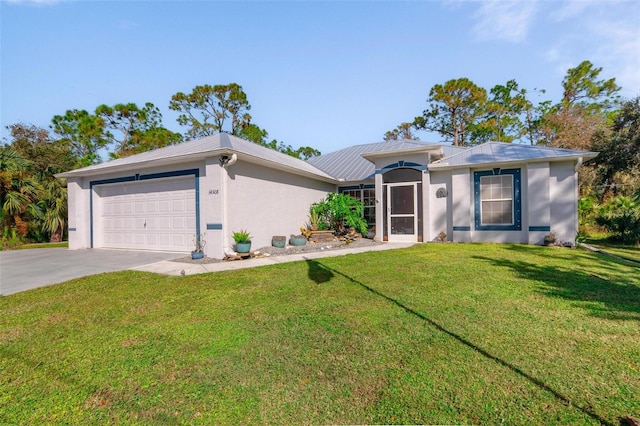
x: 158, y: 215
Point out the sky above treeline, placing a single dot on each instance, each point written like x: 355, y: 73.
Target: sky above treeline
x: 325, y: 74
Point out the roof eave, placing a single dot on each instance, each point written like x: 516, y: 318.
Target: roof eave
x: 194, y: 157
x: 584, y: 156
x: 381, y: 154
x: 279, y: 166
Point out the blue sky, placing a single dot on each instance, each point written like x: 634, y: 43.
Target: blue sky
x: 321, y: 74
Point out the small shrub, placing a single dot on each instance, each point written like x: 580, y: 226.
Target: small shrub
x: 340, y: 212
x: 10, y: 239
x: 621, y: 216
x: 241, y: 236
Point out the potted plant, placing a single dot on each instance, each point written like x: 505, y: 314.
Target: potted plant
x: 199, y: 242
x: 279, y: 241
x: 297, y: 240
x: 243, y: 241
x: 314, y: 219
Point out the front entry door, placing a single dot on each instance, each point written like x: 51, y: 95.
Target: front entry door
x: 402, y: 212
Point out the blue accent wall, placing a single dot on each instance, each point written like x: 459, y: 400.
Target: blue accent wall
x: 517, y: 202
x: 138, y: 177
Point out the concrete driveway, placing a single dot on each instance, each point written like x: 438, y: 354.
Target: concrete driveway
x: 22, y: 270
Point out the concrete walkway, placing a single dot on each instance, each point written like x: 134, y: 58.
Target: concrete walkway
x: 168, y: 267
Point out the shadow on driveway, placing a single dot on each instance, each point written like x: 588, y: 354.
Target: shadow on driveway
x: 22, y: 270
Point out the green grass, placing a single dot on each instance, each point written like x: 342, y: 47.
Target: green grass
x: 629, y: 252
x: 438, y: 333
x: 44, y: 245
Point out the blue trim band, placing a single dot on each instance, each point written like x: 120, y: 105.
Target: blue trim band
x: 462, y: 228
x: 400, y: 164
x: 214, y: 226
x: 71, y: 229
x: 352, y: 187
x: 517, y: 202
x: 539, y: 228
x: 139, y: 177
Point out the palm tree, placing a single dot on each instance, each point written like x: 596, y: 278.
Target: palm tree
x: 18, y: 190
x: 54, y: 209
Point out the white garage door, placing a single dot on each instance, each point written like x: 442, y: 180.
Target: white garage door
x: 148, y: 215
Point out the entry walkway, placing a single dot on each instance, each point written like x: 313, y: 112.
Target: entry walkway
x: 168, y: 267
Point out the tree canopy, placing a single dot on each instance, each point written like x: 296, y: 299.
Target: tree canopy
x: 208, y: 110
x: 454, y: 109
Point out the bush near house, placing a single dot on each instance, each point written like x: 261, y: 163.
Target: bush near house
x: 340, y: 212
x: 621, y: 217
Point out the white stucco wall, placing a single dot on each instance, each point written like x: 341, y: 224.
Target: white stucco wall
x: 78, y: 206
x: 563, y: 193
x: 268, y: 202
x: 538, y: 208
x: 461, y: 205
x: 439, y: 220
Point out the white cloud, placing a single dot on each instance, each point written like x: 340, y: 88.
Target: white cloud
x: 504, y: 20
x: 570, y: 9
x: 620, y: 52
x: 605, y: 33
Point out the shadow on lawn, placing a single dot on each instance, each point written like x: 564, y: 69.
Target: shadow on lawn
x: 609, y: 295
x: 318, y: 272
x: 321, y: 270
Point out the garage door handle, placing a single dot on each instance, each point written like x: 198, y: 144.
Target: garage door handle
x: 145, y: 223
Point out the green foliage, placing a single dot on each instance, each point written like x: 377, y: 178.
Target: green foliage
x: 340, y: 212
x: 454, y: 108
x: 10, y: 239
x: 241, y: 236
x: 621, y: 216
x: 402, y: 131
x: 582, y: 87
x: 83, y: 132
x: 19, y: 190
x: 136, y: 129
x: 207, y: 108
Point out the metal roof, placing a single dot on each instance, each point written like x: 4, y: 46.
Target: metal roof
x: 500, y: 152
x: 199, y: 148
x: 349, y: 163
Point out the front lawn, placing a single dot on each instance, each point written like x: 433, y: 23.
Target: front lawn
x: 438, y: 333
x: 626, y: 251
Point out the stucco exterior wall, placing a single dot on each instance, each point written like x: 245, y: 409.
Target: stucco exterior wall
x: 212, y: 193
x: 461, y: 205
x: 538, y: 208
x: 438, y: 219
x: 563, y: 194
x: 268, y: 202
x: 78, y: 206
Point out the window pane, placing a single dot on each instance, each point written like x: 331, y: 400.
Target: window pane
x: 497, y: 213
x: 402, y: 225
x: 401, y: 200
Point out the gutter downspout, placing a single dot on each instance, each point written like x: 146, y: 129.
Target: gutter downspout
x: 225, y: 211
